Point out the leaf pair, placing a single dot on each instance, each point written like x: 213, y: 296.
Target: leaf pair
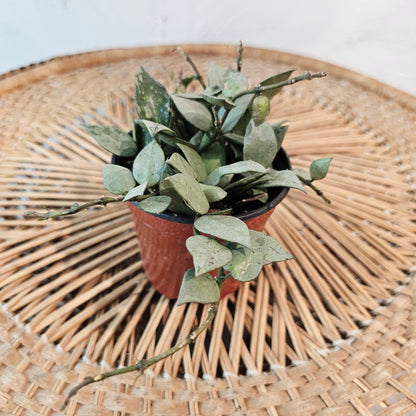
x: 247, y: 263
x: 230, y: 246
x: 238, y: 118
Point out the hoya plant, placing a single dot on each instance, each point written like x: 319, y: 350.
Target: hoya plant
x: 205, y: 150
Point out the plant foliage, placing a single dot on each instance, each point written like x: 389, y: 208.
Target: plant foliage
x: 204, y: 152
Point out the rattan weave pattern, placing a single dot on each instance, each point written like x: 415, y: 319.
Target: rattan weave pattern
x: 332, y: 332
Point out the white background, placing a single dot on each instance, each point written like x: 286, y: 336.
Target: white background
x: 374, y: 37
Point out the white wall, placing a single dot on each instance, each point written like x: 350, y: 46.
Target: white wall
x: 374, y: 37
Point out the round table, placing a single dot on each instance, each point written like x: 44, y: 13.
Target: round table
x: 332, y: 332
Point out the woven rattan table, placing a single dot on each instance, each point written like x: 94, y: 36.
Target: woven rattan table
x: 330, y: 333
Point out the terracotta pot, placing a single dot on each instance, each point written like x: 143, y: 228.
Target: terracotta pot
x: 162, y: 239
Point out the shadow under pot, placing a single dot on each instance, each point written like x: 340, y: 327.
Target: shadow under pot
x: 162, y: 237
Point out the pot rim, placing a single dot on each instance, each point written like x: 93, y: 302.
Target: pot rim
x: 283, y: 162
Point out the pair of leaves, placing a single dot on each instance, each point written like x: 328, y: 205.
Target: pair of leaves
x: 244, y: 261
x: 230, y: 81
x: 238, y: 117
x: 209, y: 254
x: 246, y: 264
x: 185, y: 187
x: 119, y: 180
x: 242, y: 247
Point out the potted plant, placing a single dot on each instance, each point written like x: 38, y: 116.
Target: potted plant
x: 201, y: 171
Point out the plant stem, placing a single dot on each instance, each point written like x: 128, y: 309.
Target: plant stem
x: 259, y: 89
x: 198, y: 75
x: 74, y: 208
x: 316, y: 190
x: 240, y: 56
x: 142, y: 365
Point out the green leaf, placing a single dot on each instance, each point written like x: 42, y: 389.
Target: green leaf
x: 179, y: 163
x: 260, y: 144
x: 235, y: 138
x: 113, y: 140
x: 189, y: 190
x: 214, y: 90
x: 214, y: 157
x: 166, y: 171
x: 243, y: 166
x: 148, y: 164
x: 271, y: 250
x: 215, y: 75
x: 275, y: 79
x: 194, y: 112
x: 152, y: 99
x: 260, y: 194
x: 279, y: 132
x: 241, y: 127
x: 225, y: 228
x: 117, y: 179
x: 319, y: 168
x: 189, y: 95
x: 244, y: 183
x: 241, y: 105
x: 173, y: 141
x: 234, y: 82
x: 213, y: 193
x: 177, y: 205
x: 155, y: 204
x: 200, y: 289
x: 246, y: 264
x: 302, y: 174
x: 280, y: 178
x: 207, y: 253
x: 219, y: 101
x: 154, y: 128
x: 203, y: 142
x: 136, y: 192
x: 187, y: 79
x: 141, y: 134
x: 236, y: 149
x: 196, y: 139
x: 195, y: 160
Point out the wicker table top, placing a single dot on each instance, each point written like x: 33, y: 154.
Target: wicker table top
x: 330, y: 333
